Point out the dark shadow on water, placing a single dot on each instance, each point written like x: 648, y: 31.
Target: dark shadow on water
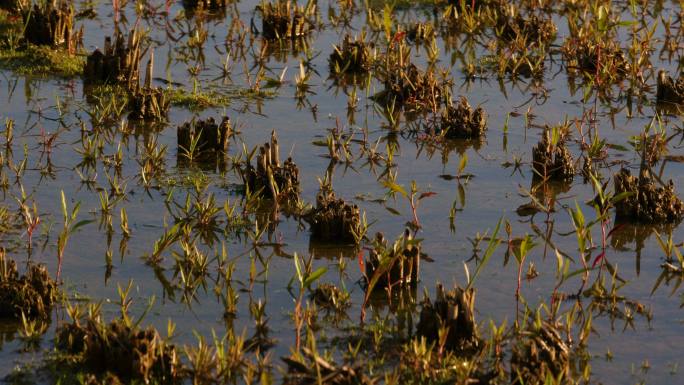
x: 332, y: 251
x: 8, y: 332
x: 670, y: 109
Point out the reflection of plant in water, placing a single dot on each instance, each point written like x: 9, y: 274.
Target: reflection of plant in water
x: 673, y: 267
x: 608, y: 301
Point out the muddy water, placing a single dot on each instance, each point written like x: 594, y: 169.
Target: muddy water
x: 493, y: 191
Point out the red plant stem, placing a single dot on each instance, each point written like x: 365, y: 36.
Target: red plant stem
x: 115, y: 5
x: 586, y: 271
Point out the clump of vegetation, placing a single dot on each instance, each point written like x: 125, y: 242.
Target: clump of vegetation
x: 532, y: 28
x: 308, y: 367
x: 22, y: 57
x: 118, y: 349
x: 14, y: 5
x: 31, y: 295
x: 52, y: 24
x: 210, y: 5
x: 393, y: 265
x: 453, y: 313
x: 540, y: 353
x: 330, y: 297
x: 594, y: 57
x: 148, y: 102
x: 670, y: 90
x: 119, y: 63
x: 467, y: 16
x: 333, y: 219
x: 411, y: 88
x: 269, y: 178
x: 204, y: 139
x: 284, y: 19
x: 420, y: 32
x: 551, y: 159
x: 461, y: 121
x: 352, y: 57
x: 645, y: 201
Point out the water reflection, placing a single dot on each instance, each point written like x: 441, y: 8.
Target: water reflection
x: 635, y: 235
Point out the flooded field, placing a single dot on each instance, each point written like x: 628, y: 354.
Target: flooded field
x: 341, y: 192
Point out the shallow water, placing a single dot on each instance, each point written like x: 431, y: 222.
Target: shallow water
x: 493, y: 191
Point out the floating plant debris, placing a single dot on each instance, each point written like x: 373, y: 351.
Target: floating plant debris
x: 269, y: 178
x: 204, y: 139
x: 461, y: 121
x: 551, y: 159
x: 454, y: 311
x: 352, y: 57
x: 284, y: 19
x: 32, y: 294
x: 392, y: 265
x: 334, y: 220
x: 118, y: 62
x: 646, y: 202
x: 670, y: 90
x: 127, y: 352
